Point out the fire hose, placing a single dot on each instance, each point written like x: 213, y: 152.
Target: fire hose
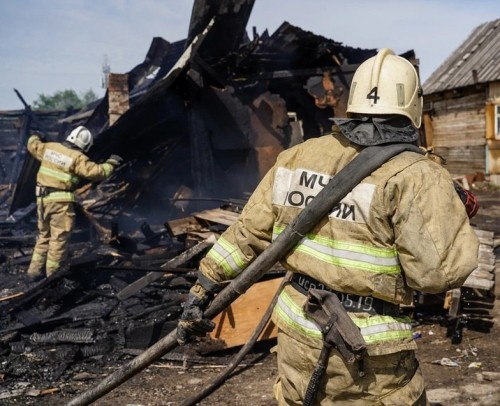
x: 339, y: 186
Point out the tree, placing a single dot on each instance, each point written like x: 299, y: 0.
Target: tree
x: 63, y: 100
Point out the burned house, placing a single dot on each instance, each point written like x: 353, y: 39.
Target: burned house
x: 461, y: 105
x: 199, y: 122
x: 209, y: 115
x: 13, y: 125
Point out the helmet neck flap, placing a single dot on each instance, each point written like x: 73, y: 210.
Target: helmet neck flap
x: 368, y: 131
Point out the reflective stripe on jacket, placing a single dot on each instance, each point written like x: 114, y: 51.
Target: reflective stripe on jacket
x: 342, y: 253
x: 382, y: 334
x: 228, y: 257
x: 61, y: 167
x: 57, y: 197
x: 402, y: 228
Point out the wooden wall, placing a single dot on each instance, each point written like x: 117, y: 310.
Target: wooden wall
x: 456, y: 128
x: 11, y: 135
x: 494, y: 91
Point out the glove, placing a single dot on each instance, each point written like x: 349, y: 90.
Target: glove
x: 468, y: 199
x: 471, y: 204
x: 39, y: 135
x: 192, y: 323
x: 429, y: 153
x: 115, y: 160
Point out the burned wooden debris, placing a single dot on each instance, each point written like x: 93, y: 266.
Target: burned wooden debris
x: 113, y: 303
x: 109, y: 303
x: 207, y: 115
x: 203, y: 121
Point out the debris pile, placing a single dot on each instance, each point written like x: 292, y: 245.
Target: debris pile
x: 109, y: 304
x: 471, y: 306
x: 199, y: 123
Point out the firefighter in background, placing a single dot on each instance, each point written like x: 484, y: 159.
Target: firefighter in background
x: 61, y: 167
x: 403, y: 228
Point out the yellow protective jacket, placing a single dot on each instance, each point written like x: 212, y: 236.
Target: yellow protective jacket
x: 62, y: 167
x: 402, y: 228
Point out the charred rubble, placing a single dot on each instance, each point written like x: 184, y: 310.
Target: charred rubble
x: 199, y: 122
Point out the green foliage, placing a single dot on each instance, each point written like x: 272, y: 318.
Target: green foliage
x: 63, y: 100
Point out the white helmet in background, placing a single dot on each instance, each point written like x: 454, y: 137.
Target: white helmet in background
x: 81, y: 137
x: 386, y: 84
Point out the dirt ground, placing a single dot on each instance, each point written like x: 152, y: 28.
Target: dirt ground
x: 471, y: 378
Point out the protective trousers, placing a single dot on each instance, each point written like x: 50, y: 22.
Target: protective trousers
x: 55, y: 223
x: 393, y: 379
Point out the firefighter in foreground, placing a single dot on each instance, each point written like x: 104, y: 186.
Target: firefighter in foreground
x: 403, y: 228
x: 61, y: 167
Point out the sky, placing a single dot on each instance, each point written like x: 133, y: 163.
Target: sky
x: 53, y: 45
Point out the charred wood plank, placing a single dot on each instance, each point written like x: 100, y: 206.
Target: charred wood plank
x: 21, y: 328
x: 143, y: 336
x: 17, y: 241
x: 182, y: 226
x: 202, y: 159
x: 41, y: 288
x: 75, y: 336
x: 8, y: 338
x: 163, y: 270
x: 193, y: 224
x: 37, y: 290
x: 86, y: 259
x: 220, y: 216
x: 139, y: 284
x: 27, y: 318
x: 152, y: 238
x: 291, y: 73
x: 22, y: 181
x: 100, y: 348
x: 231, y: 18
x: 25, y: 259
x: 174, y: 262
x: 13, y: 296
x: 92, y: 310
x: 157, y: 256
x: 11, y: 393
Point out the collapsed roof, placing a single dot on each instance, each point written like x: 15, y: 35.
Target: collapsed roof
x: 208, y: 115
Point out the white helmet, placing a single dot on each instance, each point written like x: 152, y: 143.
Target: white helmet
x: 386, y: 84
x: 81, y: 137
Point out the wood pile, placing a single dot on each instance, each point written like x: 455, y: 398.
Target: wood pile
x: 477, y: 293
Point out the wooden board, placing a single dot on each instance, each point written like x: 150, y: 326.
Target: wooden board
x: 236, y: 324
x: 479, y: 283
x: 483, y: 277
x: 192, y: 224
x: 220, y: 216
x: 182, y: 226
